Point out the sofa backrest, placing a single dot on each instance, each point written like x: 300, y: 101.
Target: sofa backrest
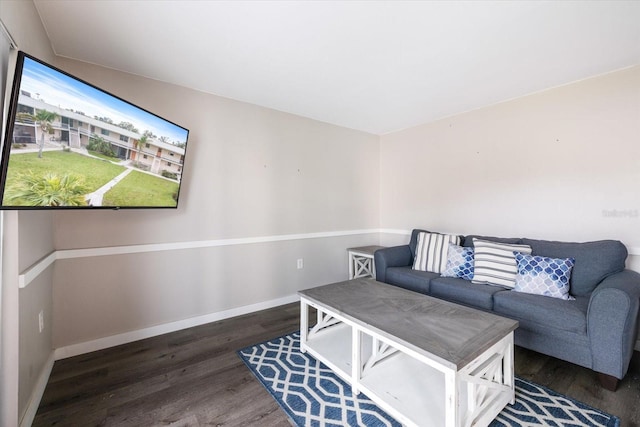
x: 468, y: 240
x: 594, y: 260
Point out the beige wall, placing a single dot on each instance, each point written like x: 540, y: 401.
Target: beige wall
x: 26, y: 237
x: 36, y: 237
x: 98, y: 297
x: 249, y: 172
x: 35, y: 347
x: 21, y: 18
x: 563, y: 164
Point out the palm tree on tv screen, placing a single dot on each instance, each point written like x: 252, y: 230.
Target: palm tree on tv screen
x: 50, y: 189
x: 42, y: 118
x: 137, y: 144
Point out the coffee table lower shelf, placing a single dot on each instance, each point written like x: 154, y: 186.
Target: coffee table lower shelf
x: 414, y: 391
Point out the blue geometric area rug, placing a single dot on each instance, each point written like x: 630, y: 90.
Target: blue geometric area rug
x: 312, y: 395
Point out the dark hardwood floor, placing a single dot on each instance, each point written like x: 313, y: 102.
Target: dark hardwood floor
x: 194, y: 378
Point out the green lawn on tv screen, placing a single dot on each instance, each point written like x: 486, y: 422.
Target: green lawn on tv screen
x: 94, y: 172
x: 145, y: 189
x: 136, y: 189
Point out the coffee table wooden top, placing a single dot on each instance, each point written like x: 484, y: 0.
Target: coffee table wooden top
x: 449, y: 333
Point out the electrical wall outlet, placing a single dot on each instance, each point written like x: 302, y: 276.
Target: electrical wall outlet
x: 41, y: 321
x: 300, y: 263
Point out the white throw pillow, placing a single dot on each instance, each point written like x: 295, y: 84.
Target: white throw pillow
x: 431, y: 251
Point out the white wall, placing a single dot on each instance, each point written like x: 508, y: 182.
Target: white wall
x: 249, y: 172
x: 563, y: 164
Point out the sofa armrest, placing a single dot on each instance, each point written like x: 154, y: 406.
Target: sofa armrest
x: 612, y: 322
x: 395, y: 256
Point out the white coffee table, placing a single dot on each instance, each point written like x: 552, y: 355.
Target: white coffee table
x: 425, y: 361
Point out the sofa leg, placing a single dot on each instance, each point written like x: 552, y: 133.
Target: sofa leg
x: 608, y: 382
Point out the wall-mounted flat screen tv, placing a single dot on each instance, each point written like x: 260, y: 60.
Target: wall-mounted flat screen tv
x: 70, y: 145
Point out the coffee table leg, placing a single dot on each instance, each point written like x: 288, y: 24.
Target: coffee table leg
x: 451, y: 399
x: 508, y: 364
x: 304, y: 325
x: 356, y: 364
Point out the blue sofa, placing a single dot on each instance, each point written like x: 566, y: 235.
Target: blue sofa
x: 597, y: 330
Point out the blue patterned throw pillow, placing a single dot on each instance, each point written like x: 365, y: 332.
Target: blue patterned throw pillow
x: 459, y: 262
x: 542, y: 275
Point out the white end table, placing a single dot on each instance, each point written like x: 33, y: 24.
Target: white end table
x: 361, y: 263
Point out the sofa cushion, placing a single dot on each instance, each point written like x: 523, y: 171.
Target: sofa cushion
x: 541, y: 275
x: 538, y: 312
x: 459, y: 262
x: 463, y: 292
x: 495, y: 263
x: 593, y: 260
x: 432, y: 250
x: 406, y: 277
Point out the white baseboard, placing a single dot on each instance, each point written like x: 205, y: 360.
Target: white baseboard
x: 38, y: 391
x: 127, y: 337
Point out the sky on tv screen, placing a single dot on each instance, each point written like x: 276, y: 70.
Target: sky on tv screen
x: 58, y: 89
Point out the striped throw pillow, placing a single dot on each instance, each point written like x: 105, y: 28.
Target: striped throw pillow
x: 495, y: 263
x: 431, y: 251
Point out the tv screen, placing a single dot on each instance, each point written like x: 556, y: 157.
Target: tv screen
x: 70, y: 145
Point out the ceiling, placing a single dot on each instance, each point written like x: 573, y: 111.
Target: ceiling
x: 372, y: 66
